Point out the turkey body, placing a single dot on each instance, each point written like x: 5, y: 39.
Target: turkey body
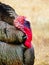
x: 12, y: 50
x: 13, y: 55
x: 11, y: 40
x: 10, y: 54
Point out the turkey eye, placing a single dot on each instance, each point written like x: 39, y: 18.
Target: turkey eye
x: 24, y: 38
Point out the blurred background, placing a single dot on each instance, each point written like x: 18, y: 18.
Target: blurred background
x: 37, y: 12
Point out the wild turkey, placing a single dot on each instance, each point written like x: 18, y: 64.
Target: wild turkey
x: 12, y: 50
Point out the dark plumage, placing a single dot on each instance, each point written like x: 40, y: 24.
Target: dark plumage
x: 12, y: 50
x: 7, y: 13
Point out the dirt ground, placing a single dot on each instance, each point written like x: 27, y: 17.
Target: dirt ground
x: 37, y: 11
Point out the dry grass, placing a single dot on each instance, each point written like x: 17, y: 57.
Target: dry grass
x: 37, y: 12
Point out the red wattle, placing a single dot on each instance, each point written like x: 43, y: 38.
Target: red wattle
x: 19, y: 23
x: 21, y: 19
x: 27, y: 44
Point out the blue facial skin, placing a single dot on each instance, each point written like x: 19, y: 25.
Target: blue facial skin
x: 27, y: 24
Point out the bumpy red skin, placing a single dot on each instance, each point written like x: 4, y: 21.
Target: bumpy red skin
x: 19, y: 23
